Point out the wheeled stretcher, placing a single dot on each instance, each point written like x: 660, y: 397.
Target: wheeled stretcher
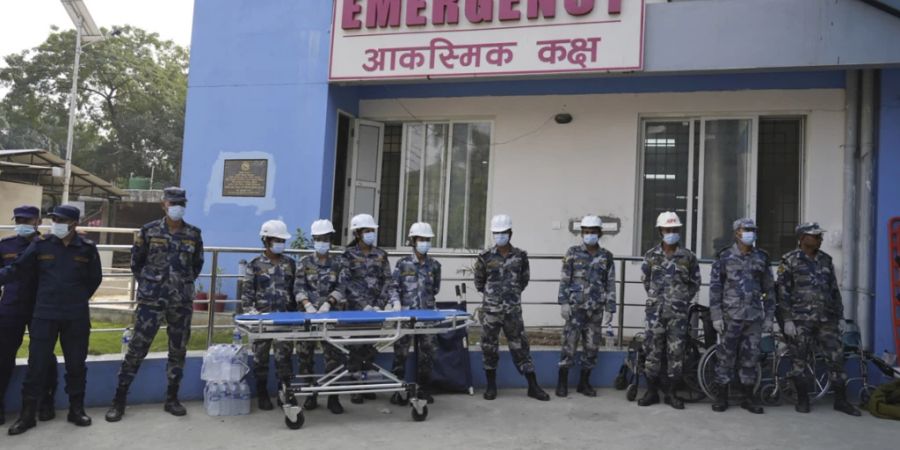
x: 359, y: 336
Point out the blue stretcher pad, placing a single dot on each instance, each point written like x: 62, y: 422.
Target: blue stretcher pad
x: 351, y: 317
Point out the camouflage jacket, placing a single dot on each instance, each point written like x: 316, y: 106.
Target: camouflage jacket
x: 807, y: 288
x: 588, y: 281
x: 162, y: 258
x: 417, y: 283
x: 502, y: 279
x: 269, y: 286
x: 741, y: 286
x: 671, y: 282
x: 365, y: 278
x: 318, y: 280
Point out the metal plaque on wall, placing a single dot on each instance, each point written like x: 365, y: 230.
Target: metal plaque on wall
x: 245, y: 178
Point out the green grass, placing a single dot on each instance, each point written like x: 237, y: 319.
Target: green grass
x: 111, y: 342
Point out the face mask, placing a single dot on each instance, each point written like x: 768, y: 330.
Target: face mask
x: 25, y: 230
x: 748, y: 237
x: 422, y: 247
x: 369, y: 238
x: 175, y: 212
x: 501, y: 239
x: 277, y: 248
x: 322, y: 247
x: 591, y: 239
x: 671, y: 238
x: 59, y: 230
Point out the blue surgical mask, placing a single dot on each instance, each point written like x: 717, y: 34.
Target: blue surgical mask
x: 748, y: 237
x: 591, y: 239
x: 25, y: 230
x: 277, y: 248
x: 369, y: 238
x: 422, y: 247
x: 322, y: 247
x: 671, y: 238
x: 175, y: 212
x: 59, y: 230
x: 501, y: 239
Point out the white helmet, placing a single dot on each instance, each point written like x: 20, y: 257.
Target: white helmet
x: 500, y: 223
x: 421, y: 229
x: 362, y: 221
x: 321, y: 227
x: 275, y: 229
x: 668, y: 219
x: 590, y: 221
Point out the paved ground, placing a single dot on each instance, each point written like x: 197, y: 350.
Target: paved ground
x: 463, y: 422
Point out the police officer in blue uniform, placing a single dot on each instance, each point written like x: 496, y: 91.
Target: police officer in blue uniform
x: 67, y: 270
x: 16, y: 306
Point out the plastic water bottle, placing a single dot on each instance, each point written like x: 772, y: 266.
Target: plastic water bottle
x: 215, y: 399
x: 228, y: 401
x: 609, y: 337
x: 126, y: 339
x: 236, y: 338
x: 245, y: 398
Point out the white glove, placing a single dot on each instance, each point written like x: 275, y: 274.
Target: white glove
x: 767, y: 325
x: 310, y: 308
x: 719, y: 325
x: 789, y: 328
x: 607, y: 319
x: 251, y: 311
x: 565, y: 311
x: 395, y: 306
x: 368, y: 308
x: 326, y: 306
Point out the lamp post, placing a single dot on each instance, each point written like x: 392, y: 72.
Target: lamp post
x: 85, y: 31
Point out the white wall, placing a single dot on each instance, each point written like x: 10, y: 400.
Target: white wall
x: 544, y: 172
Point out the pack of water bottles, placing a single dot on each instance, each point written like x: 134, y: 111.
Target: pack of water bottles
x: 224, y: 368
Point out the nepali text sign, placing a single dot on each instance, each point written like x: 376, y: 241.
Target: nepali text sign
x: 244, y: 178
x: 395, y: 39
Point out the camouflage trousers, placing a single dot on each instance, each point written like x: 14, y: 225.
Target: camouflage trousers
x: 284, y: 367
x: 585, y: 325
x: 739, y: 346
x: 665, y: 338
x: 424, y: 356
x: 510, y: 322
x: 148, y: 318
x: 306, y: 352
x: 824, y: 337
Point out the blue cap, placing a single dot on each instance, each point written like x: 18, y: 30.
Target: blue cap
x: 812, y: 228
x: 174, y: 194
x: 745, y: 223
x: 68, y: 212
x: 26, y: 212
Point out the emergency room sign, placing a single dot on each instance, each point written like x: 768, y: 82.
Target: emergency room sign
x: 400, y: 39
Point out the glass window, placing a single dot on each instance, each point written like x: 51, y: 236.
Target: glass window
x: 778, y: 191
x: 389, y: 198
x: 726, y: 166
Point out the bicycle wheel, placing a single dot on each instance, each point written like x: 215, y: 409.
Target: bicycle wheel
x: 690, y: 389
x: 815, y: 372
x: 706, y: 373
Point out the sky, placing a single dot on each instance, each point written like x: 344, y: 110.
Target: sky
x: 26, y: 23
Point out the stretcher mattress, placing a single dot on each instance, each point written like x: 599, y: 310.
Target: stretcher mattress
x: 350, y: 317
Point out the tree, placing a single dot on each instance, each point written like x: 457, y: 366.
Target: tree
x: 131, y: 96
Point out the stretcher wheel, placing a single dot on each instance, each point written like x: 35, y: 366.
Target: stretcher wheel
x: 631, y: 392
x: 621, y: 383
x: 294, y: 424
x: 770, y: 395
x: 419, y: 417
x: 865, y: 393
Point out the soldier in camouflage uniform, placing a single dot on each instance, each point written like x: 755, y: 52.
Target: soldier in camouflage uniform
x: 417, y: 278
x: 587, y: 296
x: 742, y: 306
x: 671, y: 276
x: 318, y: 292
x: 166, y: 258
x: 366, y: 282
x: 269, y: 287
x: 809, y: 305
x: 501, y: 274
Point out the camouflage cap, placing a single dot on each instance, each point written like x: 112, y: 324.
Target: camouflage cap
x: 174, y: 194
x: 745, y: 223
x: 812, y: 228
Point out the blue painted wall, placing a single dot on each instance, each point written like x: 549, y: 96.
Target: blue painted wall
x: 888, y: 192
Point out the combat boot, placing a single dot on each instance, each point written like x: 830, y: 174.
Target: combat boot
x: 334, y: 405
x: 669, y: 396
x: 534, y: 390
x: 173, y: 406
x: 490, y: 391
x: 47, y: 409
x: 840, y: 401
x: 651, y: 396
x: 720, y: 403
x: 26, y: 418
x: 562, y: 382
x: 750, y: 402
x: 76, y: 411
x: 802, y: 405
x: 262, y: 396
x: 117, y: 410
x: 584, y: 384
